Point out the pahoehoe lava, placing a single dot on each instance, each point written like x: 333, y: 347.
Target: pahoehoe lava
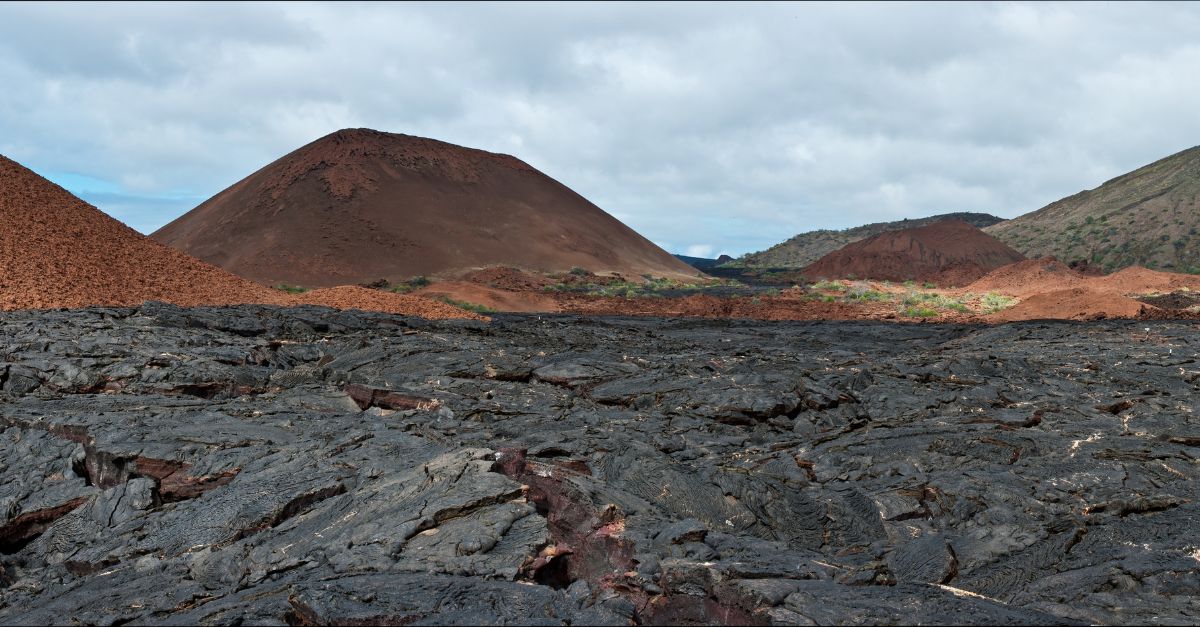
x: 257, y: 464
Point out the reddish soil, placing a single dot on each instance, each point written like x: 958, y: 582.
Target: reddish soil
x: 361, y: 205
x: 1137, y: 279
x: 526, y: 301
x: 1028, y: 277
x: 1050, y: 289
x: 948, y: 253
x: 354, y: 297
x: 57, y: 251
x: 1076, y: 303
x: 1040, y: 276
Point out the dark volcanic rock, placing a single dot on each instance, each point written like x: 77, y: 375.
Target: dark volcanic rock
x: 256, y: 465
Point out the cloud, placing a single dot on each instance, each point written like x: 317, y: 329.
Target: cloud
x: 728, y: 124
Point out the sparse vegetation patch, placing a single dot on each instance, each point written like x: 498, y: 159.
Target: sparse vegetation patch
x: 993, y: 302
x: 462, y: 304
x: 410, y: 285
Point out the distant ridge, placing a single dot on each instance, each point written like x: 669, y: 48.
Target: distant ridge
x: 805, y: 248
x: 360, y: 205
x: 1148, y: 217
x: 704, y: 263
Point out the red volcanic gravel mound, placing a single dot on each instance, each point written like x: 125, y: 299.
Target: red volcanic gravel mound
x: 360, y: 205
x: 58, y: 251
x: 1139, y: 279
x: 1076, y: 303
x: 1029, y: 277
x: 1046, y: 275
x: 949, y: 253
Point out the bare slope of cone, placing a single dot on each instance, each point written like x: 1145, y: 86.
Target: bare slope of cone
x: 58, y: 251
x: 360, y: 205
x: 949, y: 252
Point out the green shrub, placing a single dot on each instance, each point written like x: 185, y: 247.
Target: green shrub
x: 577, y: 271
x: 866, y: 294
x: 920, y: 312
x: 290, y: 289
x: 993, y: 302
x: 829, y: 286
x: 934, y: 301
x: 412, y: 284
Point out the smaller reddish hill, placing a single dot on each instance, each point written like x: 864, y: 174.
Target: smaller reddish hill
x: 949, y: 253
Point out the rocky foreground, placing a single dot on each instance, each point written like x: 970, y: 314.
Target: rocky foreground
x: 307, y: 466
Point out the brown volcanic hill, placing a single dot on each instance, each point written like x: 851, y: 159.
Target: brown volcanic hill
x: 58, y: 251
x: 806, y: 248
x: 360, y: 205
x: 1148, y: 217
x: 949, y: 252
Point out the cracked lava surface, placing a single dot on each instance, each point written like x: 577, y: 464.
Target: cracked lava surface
x: 257, y: 464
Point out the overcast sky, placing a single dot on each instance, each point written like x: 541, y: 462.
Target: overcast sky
x: 709, y: 128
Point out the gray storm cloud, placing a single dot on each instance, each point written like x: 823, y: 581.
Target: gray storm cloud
x: 720, y: 128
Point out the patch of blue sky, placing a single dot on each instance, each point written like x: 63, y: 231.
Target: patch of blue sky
x: 145, y: 213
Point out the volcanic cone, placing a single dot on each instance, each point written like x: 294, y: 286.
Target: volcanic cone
x: 361, y: 205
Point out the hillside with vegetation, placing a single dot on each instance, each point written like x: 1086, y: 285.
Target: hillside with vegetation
x: 1148, y: 217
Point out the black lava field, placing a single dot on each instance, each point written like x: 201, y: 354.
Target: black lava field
x: 304, y: 466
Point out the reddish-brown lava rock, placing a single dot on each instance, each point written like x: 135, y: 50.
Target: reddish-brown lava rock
x: 175, y: 482
x: 587, y: 543
x: 29, y: 525
x: 367, y: 397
